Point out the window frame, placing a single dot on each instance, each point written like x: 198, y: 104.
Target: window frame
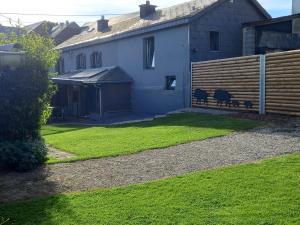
x: 61, y: 66
x: 149, y: 64
x: 218, y: 41
x: 96, y: 59
x: 168, y: 84
x: 81, y: 61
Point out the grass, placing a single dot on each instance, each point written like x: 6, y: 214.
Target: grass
x: 95, y: 142
x: 266, y: 193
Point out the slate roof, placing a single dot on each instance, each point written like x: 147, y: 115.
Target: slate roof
x: 272, y: 20
x: 62, y: 27
x: 132, y: 22
x: 97, y: 76
x: 8, y: 47
x: 7, y: 30
x: 32, y: 27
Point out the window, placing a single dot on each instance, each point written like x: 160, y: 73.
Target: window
x: 96, y: 59
x: 170, y: 83
x: 214, y: 38
x: 81, y: 61
x: 149, y: 53
x: 60, y: 66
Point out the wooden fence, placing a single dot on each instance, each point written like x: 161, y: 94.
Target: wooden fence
x: 259, y: 83
x: 283, y: 83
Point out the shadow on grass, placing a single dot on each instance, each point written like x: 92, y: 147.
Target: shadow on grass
x: 196, y: 121
x: 61, y: 128
x: 18, y: 187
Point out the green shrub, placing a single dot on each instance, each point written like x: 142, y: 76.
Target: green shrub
x: 22, y: 156
x: 23, y: 97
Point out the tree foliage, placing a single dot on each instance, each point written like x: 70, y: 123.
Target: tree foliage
x: 25, y: 96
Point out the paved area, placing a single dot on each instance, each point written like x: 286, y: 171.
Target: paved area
x: 239, y: 147
x: 129, y: 117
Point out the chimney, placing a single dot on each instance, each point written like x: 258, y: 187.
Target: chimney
x: 102, y: 25
x: 296, y: 7
x: 147, y: 9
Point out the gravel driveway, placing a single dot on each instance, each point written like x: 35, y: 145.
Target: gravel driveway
x: 150, y: 165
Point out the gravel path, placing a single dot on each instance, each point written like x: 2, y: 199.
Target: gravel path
x: 55, y: 153
x: 150, y: 165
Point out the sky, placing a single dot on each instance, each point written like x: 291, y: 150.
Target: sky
x: 97, y: 7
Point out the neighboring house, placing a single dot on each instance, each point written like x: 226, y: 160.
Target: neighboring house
x: 42, y: 28
x: 153, y: 47
x: 273, y: 35
x: 11, y: 59
x: 9, y: 30
x: 64, y: 31
x: 60, y: 32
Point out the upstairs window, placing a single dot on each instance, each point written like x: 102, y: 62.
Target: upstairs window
x: 81, y: 61
x: 149, y: 53
x: 214, y: 38
x: 60, y: 66
x: 170, y: 83
x: 96, y: 59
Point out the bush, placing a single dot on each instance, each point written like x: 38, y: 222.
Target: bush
x: 23, y: 98
x: 22, y: 156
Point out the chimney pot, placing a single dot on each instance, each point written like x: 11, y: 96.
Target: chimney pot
x: 102, y: 24
x: 147, y: 9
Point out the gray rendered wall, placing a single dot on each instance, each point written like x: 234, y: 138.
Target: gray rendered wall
x: 148, y: 90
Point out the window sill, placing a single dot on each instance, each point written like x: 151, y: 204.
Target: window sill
x: 153, y: 68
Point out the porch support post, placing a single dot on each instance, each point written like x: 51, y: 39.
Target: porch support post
x: 262, y: 85
x: 100, y: 104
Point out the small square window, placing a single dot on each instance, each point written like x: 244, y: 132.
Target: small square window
x: 170, y: 83
x: 214, y: 39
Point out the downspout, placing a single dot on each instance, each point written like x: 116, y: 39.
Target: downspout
x: 190, y: 66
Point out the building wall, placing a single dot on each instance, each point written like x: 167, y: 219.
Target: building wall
x: 227, y: 19
x: 148, y: 90
x: 174, y: 52
x: 249, y: 36
x: 11, y: 59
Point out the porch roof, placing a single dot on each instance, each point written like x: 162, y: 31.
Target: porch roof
x: 97, y: 76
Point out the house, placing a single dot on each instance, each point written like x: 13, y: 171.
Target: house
x: 11, y: 59
x: 59, y: 32
x: 9, y: 29
x: 273, y: 35
x: 155, y: 48
x: 64, y: 31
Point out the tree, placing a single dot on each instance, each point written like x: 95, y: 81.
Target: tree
x: 25, y: 95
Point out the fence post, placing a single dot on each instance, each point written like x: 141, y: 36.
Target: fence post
x: 191, y: 93
x: 262, y: 85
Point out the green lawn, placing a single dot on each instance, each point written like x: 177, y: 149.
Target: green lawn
x: 266, y: 192
x: 94, y: 142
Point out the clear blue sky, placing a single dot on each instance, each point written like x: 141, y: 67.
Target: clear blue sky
x: 275, y: 7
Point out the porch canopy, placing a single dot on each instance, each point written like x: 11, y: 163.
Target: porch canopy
x: 93, y: 92
x: 104, y: 75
